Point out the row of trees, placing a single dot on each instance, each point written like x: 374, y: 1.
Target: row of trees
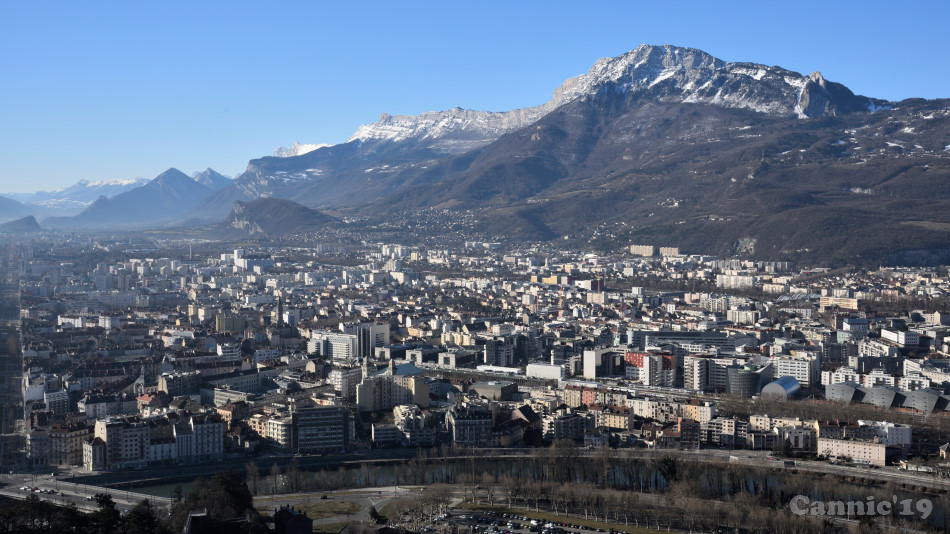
x: 295, y: 480
x: 34, y: 515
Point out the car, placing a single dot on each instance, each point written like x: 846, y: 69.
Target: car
x: 323, y: 497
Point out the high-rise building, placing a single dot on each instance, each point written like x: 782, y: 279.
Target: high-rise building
x: 322, y: 429
x: 368, y: 337
x: 500, y: 351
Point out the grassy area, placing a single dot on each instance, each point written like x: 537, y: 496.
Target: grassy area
x: 393, y: 510
x: 320, y: 509
x: 551, y: 516
x: 330, y: 528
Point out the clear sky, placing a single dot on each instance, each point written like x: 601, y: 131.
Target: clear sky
x: 106, y: 90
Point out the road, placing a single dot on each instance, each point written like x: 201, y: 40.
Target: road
x: 68, y: 492
x: 761, y: 459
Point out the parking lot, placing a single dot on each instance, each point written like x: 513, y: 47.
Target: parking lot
x: 491, y: 522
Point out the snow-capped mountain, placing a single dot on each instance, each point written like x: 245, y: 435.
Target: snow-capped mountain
x: 296, y: 149
x: 687, y: 75
x: 81, y: 194
x: 667, y: 73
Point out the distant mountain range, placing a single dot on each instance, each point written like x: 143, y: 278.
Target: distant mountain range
x: 159, y: 201
x: 80, y: 194
x: 662, y: 145
x: 72, y: 200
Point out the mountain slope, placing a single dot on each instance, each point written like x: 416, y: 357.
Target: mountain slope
x: 26, y: 224
x: 270, y: 217
x: 211, y: 179
x: 11, y: 209
x: 853, y: 187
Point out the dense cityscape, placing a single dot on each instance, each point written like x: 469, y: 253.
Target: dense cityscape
x: 160, y: 358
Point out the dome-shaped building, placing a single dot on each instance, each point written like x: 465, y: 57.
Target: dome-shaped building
x: 785, y: 388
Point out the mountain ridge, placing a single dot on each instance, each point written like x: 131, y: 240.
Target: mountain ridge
x: 661, y: 144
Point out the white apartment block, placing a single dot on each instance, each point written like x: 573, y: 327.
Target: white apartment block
x: 746, y: 317
x: 843, y: 375
x: 876, y: 378
x: 890, y: 433
x: 903, y: 339
x: 345, y: 380
x: 871, y: 347
x: 862, y: 452
x: 280, y: 430
x: 913, y: 381
x: 802, y: 368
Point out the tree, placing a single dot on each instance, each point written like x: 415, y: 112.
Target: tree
x: 224, y: 496
x: 274, y: 477
x: 142, y: 520
x: 70, y: 519
x: 488, y: 484
x: 669, y: 468
x: 253, y: 477
x: 602, y: 460
x: 374, y: 515
x: 294, y: 475
x: 106, y: 517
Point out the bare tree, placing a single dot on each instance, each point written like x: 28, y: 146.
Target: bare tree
x: 488, y: 485
x: 274, y: 478
x: 294, y: 475
x: 253, y: 477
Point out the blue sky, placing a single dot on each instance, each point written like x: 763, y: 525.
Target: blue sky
x: 106, y: 90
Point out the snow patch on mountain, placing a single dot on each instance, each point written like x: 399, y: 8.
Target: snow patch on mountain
x: 455, y: 130
x: 107, y: 183
x: 296, y: 149
x: 82, y: 193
